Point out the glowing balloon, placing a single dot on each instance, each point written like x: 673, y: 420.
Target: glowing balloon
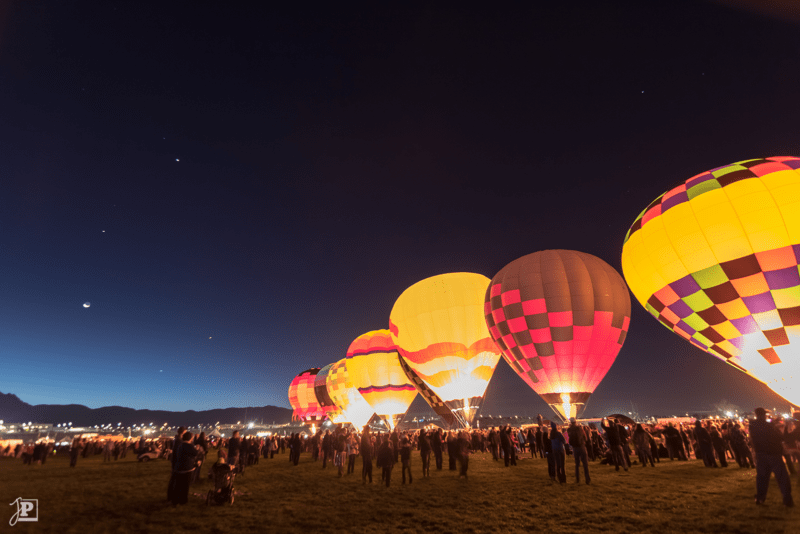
x: 715, y: 260
x: 87, y: 304
x: 441, y: 335
x: 354, y: 409
x: 375, y: 370
x: 560, y: 317
x: 323, y: 397
x: 303, y: 399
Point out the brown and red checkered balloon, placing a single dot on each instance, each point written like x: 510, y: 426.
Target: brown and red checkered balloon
x: 560, y: 318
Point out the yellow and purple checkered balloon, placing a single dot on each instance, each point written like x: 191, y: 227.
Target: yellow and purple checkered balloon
x: 715, y: 260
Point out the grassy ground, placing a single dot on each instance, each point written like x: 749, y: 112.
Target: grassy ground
x: 127, y: 496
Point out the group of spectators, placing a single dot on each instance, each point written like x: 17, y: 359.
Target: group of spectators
x: 769, y: 446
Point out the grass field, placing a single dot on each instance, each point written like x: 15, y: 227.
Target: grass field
x: 127, y: 496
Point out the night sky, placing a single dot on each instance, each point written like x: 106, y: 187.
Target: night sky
x: 240, y: 192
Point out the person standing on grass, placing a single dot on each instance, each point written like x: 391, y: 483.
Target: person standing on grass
x: 505, y: 446
x: 425, y: 453
x: 405, y: 458
x: 340, y: 447
x: 352, y: 453
x: 719, y: 445
x: 531, y: 438
x: 74, y: 451
x: 297, y: 445
x: 185, y: 464
x: 612, y: 434
x: 704, y: 444
x: 327, y: 448
x: 577, y: 440
x: 494, y: 444
x: 768, y: 444
x: 366, y: 455
x: 624, y: 437
x: 386, y: 460
x: 557, y: 442
x: 463, y: 452
x: 436, y: 446
x: 234, y: 446
x: 641, y: 442
x: 173, y: 459
x: 395, y: 439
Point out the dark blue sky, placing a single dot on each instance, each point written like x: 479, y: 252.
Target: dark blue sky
x: 330, y: 158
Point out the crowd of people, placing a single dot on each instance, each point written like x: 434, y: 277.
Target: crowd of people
x: 769, y: 446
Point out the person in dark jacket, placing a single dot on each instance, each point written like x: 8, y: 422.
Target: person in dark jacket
x: 494, y: 444
x: 74, y: 451
x: 297, y: 444
x: 557, y: 442
x: 531, y: 437
x: 436, y: 446
x: 405, y: 458
x: 506, y: 446
x: 395, y: 439
x: 463, y: 451
x: 577, y: 440
x: 704, y: 444
x: 540, y: 440
x: 612, y: 434
x: 624, y: 438
x: 185, y: 464
x: 327, y: 448
x: 234, y: 449
x: 425, y: 453
x: 452, y: 450
x: 719, y: 445
x: 768, y: 444
x: 173, y: 458
x: 741, y: 450
x: 386, y: 459
x: 366, y: 455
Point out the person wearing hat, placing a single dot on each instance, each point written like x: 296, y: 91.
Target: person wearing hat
x: 577, y: 440
x: 768, y: 444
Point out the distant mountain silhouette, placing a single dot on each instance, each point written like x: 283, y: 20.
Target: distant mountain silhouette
x: 14, y: 410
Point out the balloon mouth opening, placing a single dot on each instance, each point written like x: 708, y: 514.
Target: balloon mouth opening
x: 567, y: 405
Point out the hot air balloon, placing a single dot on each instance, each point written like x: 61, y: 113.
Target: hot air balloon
x: 715, y: 260
x: 438, y: 327
x: 303, y: 398
x: 375, y: 370
x: 352, y: 406
x: 560, y: 317
x: 323, y: 397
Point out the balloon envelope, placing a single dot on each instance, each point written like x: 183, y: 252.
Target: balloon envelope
x: 560, y: 317
x: 374, y: 367
x: 352, y: 406
x: 715, y: 260
x: 441, y: 335
x: 303, y: 398
x: 323, y: 397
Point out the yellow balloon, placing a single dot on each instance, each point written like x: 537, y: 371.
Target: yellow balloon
x: 374, y: 367
x: 352, y: 406
x: 716, y: 261
x: 441, y: 334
